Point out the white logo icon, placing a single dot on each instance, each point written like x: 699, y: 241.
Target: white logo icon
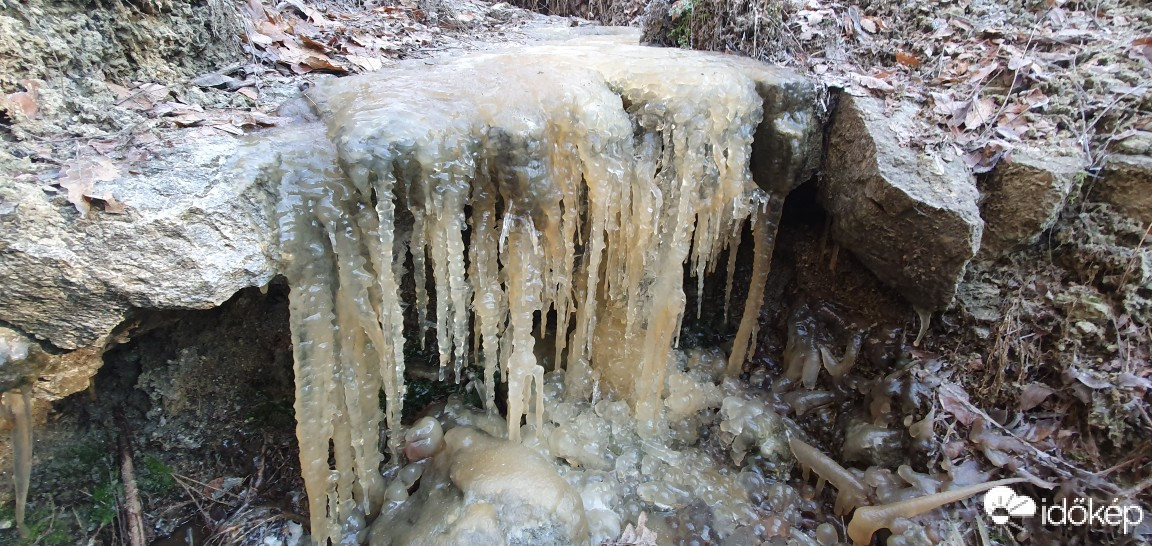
x: 1002, y: 503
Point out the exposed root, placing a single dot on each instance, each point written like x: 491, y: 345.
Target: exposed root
x: 133, y: 511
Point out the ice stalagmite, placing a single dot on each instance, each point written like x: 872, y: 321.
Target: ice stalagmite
x: 555, y: 190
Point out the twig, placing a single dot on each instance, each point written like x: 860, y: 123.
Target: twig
x: 1107, y: 471
x: 132, y: 509
x: 180, y: 478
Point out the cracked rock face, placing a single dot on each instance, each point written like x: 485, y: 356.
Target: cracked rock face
x: 909, y: 217
x: 193, y: 234
x: 1024, y: 197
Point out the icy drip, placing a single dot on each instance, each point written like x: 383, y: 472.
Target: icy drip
x: 577, y: 181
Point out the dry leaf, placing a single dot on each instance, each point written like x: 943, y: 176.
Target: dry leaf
x: 907, y: 59
x: 868, y: 25
x: 25, y: 102
x: 229, y: 128
x: 103, y: 147
x: 872, y: 82
x: 367, y: 64
x: 312, y: 13
x: 980, y: 112
x: 954, y: 400
x: 1034, y: 394
x: 983, y: 72
x: 1086, y: 377
x: 188, y: 120
x: 315, y: 44
x: 1133, y: 381
x: 79, y: 175
x: 248, y: 92
x: 111, y: 205
x: 145, y: 96
x: 303, y: 60
x: 214, y: 79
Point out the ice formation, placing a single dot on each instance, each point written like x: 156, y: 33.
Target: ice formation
x: 557, y: 190
x: 16, y: 406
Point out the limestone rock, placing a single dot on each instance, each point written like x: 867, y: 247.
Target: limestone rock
x: 1126, y: 183
x: 193, y: 234
x: 1024, y: 196
x: 908, y: 216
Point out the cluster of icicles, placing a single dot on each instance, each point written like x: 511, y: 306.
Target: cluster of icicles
x: 574, y: 183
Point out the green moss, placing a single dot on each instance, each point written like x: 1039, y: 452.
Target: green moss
x: 45, y: 528
x: 155, y: 477
x: 682, y: 26
x: 105, y: 503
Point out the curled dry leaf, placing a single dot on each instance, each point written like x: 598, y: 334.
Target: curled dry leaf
x: 954, y: 400
x: 1087, y: 378
x: 79, y: 176
x: 870, y: 82
x: 215, y: 79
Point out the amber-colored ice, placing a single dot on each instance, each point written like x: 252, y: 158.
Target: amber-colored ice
x: 572, y: 181
x: 16, y: 406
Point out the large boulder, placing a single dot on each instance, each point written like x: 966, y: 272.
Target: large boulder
x: 909, y: 216
x: 1024, y: 196
x: 192, y: 233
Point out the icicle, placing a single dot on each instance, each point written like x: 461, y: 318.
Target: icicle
x: 925, y: 320
x: 17, y: 407
x: 764, y: 224
x: 577, y: 180
x: 525, y: 376
x: 733, y: 252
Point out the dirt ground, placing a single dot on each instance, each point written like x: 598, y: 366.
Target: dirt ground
x: 1041, y: 367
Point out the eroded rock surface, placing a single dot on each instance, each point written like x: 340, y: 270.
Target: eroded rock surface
x: 1024, y: 197
x: 193, y: 233
x: 1126, y: 183
x: 910, y: 217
